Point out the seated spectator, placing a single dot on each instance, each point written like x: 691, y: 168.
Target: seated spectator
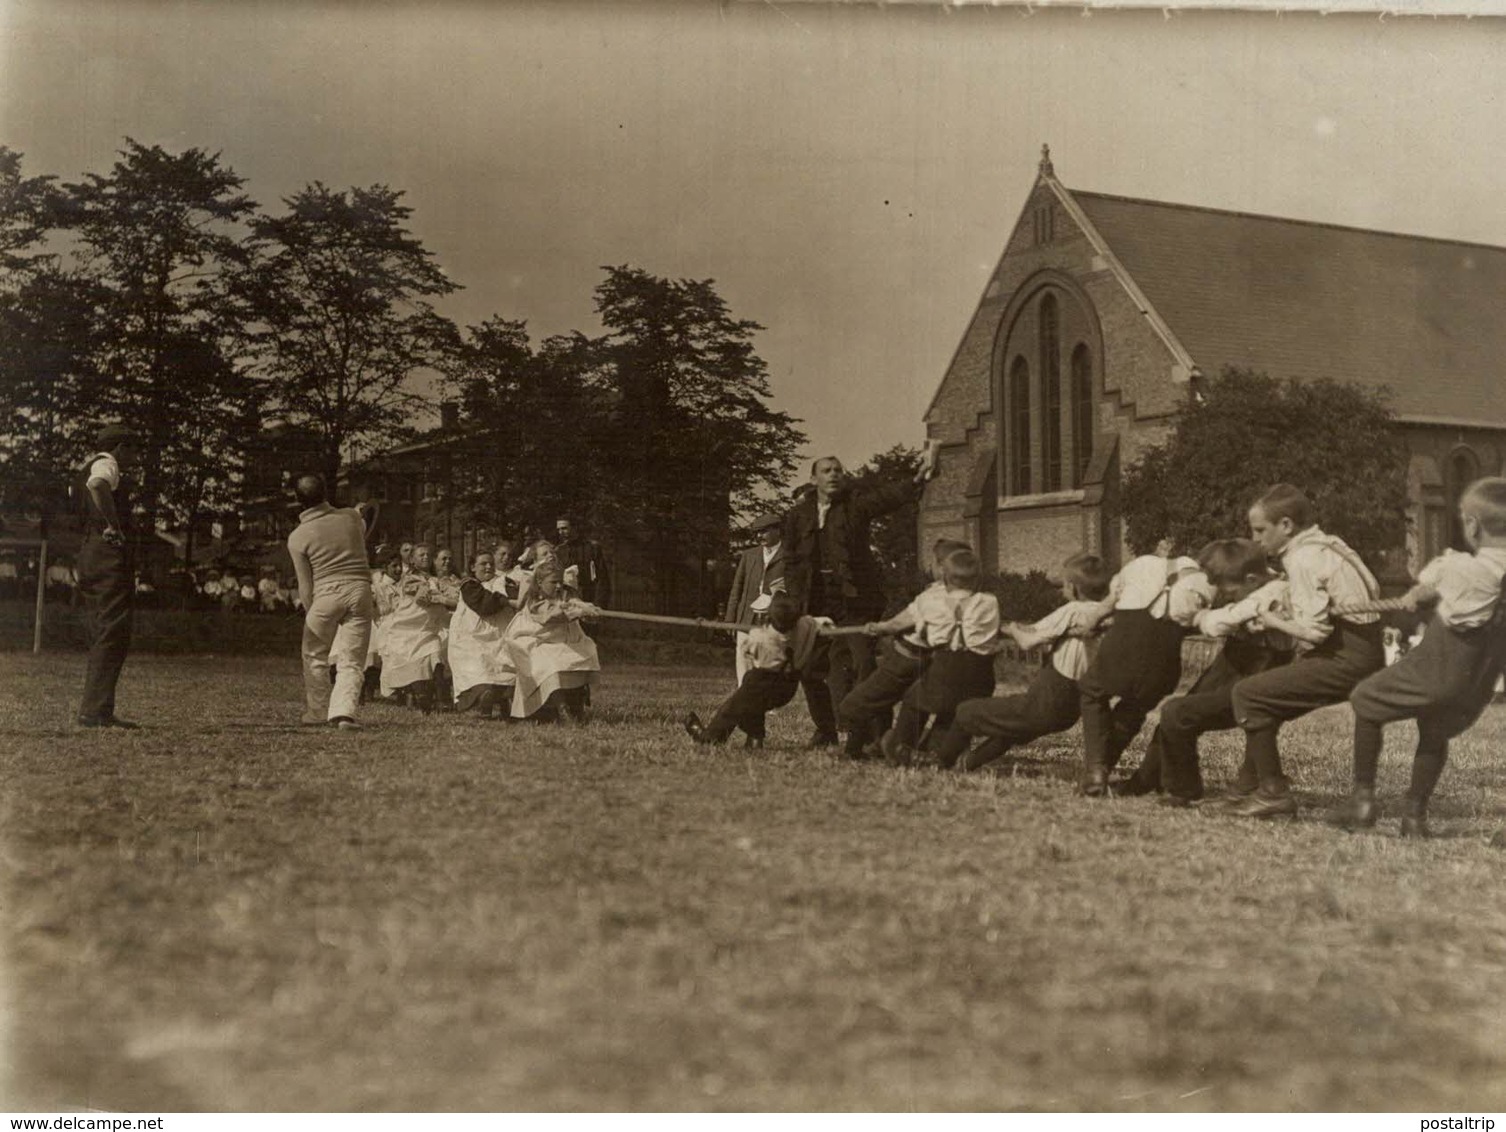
x: 10, y: 577
x: 266, y: 590
x: 411, y: 646
x: 62, y: 581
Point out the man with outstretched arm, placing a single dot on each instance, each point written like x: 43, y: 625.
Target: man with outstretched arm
x: 328, y: 548
x: 830, y: 571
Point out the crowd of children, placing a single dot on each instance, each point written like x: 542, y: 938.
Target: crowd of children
x: 1297, y: 613
x: 503, y: 641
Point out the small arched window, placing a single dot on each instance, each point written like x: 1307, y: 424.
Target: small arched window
x: 1463, y: 469
x: 1019, y: 427
x: 1051, y: 382
x: 1083, y: 410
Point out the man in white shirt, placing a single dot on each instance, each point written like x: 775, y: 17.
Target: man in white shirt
x: 105, y: 573
x: 328, y: 548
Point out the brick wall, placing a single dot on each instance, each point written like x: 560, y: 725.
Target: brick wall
x: 1133, y: 371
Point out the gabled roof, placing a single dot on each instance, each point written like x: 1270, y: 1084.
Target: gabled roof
x: 1423, y: 316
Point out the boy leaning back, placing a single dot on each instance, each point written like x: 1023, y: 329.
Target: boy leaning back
x: 1333, y: 652
x: 1448, y: 679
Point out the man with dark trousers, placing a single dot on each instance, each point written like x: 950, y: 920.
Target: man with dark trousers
x: 573, y: 550
x: 760, y: 571
x: 830, y: 571
x: 105, y: 572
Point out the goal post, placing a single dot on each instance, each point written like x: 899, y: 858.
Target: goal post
x: 40, y: 546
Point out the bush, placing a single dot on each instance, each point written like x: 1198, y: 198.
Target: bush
x: 1024, y: 597
x: 1337, y: 442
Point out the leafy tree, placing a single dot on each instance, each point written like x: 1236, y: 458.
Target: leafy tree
x: 48, y: 328
x: 893, y: 535
x: 1337, y: 442
x: 28, y: 210
x: 530, y: 423
x: 693, y: 439
x: 158, y: 238
x: 341, y: 323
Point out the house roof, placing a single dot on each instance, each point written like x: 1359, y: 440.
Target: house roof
x: 1299, y: 299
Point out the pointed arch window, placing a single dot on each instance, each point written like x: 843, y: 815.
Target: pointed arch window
x: 1051, y: 390
x: 1463, y: 469
x: 1019, y: 427
x: 1082, y: 412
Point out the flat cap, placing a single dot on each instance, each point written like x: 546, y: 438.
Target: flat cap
x: 116, y: 434
x: 765, y: 521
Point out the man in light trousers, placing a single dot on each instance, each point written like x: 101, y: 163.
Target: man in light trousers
x: 334, y: 583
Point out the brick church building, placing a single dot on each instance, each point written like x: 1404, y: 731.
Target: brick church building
x: 1104, y: 314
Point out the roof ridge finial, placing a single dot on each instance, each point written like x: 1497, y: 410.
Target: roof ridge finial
x: 1046, y: 168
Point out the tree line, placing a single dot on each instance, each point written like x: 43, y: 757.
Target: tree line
x: 162, y: 294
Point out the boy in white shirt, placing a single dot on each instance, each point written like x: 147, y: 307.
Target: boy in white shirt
x: 1333, y: 652
x: 1139, y: 662
x: 943, y: 650
x: 774, y: 654
x: 1052, y: 703
x: 1448, y: 679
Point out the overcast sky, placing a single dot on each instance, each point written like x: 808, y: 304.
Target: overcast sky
x: 848, y: 175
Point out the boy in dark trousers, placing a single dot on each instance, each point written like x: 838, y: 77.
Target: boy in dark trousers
x: 1139, y: 661
x: 1334, y: 652
x: 1448, y: 679
x: 1243, y: 586
x: 776, y: 654
x: 1052, y: 703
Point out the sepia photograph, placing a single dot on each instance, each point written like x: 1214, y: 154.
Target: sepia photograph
x: 745, y: 556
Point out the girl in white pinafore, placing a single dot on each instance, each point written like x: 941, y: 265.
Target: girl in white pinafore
x: 555, y: 661
x: 480, y: 663
x: 411, y: 647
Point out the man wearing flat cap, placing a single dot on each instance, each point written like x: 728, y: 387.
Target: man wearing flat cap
x: 760, y: 571
x: 105, y: 571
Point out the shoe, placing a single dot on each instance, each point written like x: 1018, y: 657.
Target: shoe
x: 1358, y: 811
x: 111, y: 722
x: 695, y: 728
x: 1176, y: 802
x: 823, y: 739
x: 344, y: 723
x: 892, y: 751
x: 1414, y: 823
x: 1132, y: 787
x: 306, y: 721
x: 1094, y: 782
x: 986, y: 753
x: 1235, y: 795
x: 1261, y: 805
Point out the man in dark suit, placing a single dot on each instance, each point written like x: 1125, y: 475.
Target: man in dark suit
x: 760, y: 571
x: 106, y: 571
x: 831, y: 572
x: 573, y: 550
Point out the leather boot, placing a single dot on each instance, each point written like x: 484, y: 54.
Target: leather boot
x: 1358, y: 811
x: 1414, y: 822
x: 1095, y: 782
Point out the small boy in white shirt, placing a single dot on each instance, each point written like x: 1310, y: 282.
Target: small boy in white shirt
x: 1139, y: 662
x: 1446, y: 681
x: 944, y: 650
x: 1052, y: 703
x: 775, y: 654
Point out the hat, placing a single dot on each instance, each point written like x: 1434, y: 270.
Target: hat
x: 764, y: 522
x: 113, y: 435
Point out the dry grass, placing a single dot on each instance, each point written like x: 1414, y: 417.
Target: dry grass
x: 229, y: 912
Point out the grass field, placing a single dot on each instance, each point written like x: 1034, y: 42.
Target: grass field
x: 226, y: 911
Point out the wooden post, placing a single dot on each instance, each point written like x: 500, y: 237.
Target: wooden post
x: 36, y: 631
